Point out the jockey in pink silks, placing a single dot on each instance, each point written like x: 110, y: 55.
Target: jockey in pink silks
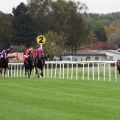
x: 39, y: 53
x: 28, y: 52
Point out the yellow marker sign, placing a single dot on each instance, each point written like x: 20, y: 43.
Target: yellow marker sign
x: 41, y: 40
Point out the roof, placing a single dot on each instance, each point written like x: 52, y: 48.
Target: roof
x: 86, y: 53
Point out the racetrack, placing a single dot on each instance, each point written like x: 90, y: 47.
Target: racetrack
x: 52, y: 99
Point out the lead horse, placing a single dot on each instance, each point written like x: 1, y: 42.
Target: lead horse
x: 39, y: 63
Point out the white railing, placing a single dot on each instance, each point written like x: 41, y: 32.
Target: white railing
x: 84, y: 70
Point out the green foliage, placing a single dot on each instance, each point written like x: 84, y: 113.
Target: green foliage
x: 113, y: 31
x: 40, y: 13
x: 70, y: 21
x: 110, y: 22
x: 55, y: 43
x: 59, y: 16
x: 22, y: 25
x: 99, y: 30
x: 6, y: 30
x: 104, y: 18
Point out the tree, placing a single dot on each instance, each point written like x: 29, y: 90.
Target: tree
x: 99, y: 45
x: 59, y: 16
x: 22, y: 25
x: 40, y: 11
x: 99, y: 30
x: 113, y: 31
x: 6, y: 30
x: 55, y: 43
x: 68, y: 19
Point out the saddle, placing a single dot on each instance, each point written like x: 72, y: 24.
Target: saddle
x: 3, y: 59
x: 39, y: 59
x: 28, y: 59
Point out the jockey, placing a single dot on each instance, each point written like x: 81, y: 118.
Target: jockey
x: 40, y: 53
x: 4, y: 53
x: 28, y: 52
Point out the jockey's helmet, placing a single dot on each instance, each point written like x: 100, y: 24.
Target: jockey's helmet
x: 30, y: 49
x: 40, y: 49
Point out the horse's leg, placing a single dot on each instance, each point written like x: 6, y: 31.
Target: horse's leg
x: 25, y: 71
x: 42, y: 68
x: 30, y: 72
x: 4, y: 71
x: 9, y: 71
x: 37, y: 71
x: 41, y: 71
x: 1, y: 71
x: 118, y: 69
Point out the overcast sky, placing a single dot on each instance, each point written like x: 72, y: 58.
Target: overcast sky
x: 94, y: 6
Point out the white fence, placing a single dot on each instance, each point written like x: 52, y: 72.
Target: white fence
x: 82, y: 70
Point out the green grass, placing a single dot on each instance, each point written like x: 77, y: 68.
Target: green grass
x: 52, y: 99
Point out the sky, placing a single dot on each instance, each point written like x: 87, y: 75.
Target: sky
x: 94, y: 6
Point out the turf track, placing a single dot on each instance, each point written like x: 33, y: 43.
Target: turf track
x: 46, y: 99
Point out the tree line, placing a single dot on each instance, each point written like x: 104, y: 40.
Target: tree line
x: 65, y: 24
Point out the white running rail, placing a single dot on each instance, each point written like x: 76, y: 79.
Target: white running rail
x: 82, y: 70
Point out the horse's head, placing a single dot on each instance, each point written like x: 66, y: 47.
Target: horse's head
x: 30, y: 58
x: 118, y: 62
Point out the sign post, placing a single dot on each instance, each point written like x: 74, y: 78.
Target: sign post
x: 41, y: 40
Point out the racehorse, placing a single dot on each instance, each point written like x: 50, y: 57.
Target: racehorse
x: 39, y: 63
x: 4, y: 66
x: 28, y: 64
x: 118, y: 65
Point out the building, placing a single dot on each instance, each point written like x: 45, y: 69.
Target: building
x: 92, y: 55
x: 111, y: 54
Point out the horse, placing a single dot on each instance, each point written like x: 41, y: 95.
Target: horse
x: 39, y: 63
x: 4, y: 66
x: 29, y: 64
x: 118, y: 65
